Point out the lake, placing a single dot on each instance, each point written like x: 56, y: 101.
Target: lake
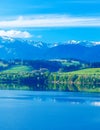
x: 32, y: 110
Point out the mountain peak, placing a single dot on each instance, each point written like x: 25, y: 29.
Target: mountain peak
x: 13, y: 48
x: 84, y: 43
x: 41, y: 44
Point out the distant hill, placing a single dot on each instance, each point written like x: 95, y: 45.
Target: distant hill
x: 11, y: 48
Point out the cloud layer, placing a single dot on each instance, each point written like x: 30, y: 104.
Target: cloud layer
x: 51, y: 21
x: 15, y: 34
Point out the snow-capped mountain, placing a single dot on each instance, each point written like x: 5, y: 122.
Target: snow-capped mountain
x: 84, y: 43
x: 14, y: 48
x: 41, y: 44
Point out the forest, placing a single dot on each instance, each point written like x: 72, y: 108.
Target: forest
x: 72, y: 75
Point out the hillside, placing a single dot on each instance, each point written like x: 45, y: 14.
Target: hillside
x: 55, y: 74
x: 53, y: 65
x: 18, y: 69
x: 89, y: 71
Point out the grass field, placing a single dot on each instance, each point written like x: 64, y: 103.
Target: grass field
x: 18, y: 68
x: 86, y: 71
x: 89, y: 71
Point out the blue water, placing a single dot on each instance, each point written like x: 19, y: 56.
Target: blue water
x: 28, y: 110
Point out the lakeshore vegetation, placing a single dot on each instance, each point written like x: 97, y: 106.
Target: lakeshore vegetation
x: 56, y: 74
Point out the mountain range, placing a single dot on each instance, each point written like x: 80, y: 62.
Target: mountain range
x: 14, y: 48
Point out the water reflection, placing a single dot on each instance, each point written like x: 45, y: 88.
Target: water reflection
x: 52, y: 97
x: 35, y: 110
x: 96, y: 103
x: 53, y: 87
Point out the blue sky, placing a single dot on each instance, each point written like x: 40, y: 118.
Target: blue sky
x: 51, y: 20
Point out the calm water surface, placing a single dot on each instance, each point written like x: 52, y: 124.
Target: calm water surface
x: 29, y: 110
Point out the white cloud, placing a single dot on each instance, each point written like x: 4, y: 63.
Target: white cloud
x: 15, y: 34
x: 51, y: 21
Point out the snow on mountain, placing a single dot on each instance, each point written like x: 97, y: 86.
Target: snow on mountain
x: 96, y: 43
x: 38, y: 44
x: 84, y: 43
x: 41, y: 44
x: 16, y: 48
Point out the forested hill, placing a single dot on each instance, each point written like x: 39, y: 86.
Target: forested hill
x: 54, y: 65
x: 63, y: 75
x: 62, y: 65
